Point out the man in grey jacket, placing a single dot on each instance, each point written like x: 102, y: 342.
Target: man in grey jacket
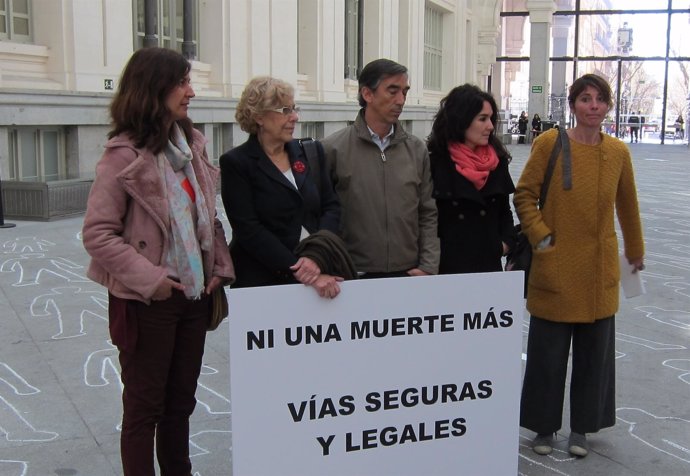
x: 383, y: 179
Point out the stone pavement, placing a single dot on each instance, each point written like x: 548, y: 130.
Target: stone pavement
x: 60, y: 389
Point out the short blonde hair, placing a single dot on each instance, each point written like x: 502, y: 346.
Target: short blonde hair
x: 261, y: 94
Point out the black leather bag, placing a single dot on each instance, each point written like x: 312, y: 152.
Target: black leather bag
x: 520, y: 257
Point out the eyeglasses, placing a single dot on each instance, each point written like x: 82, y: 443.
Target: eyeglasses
x: 287, y: 110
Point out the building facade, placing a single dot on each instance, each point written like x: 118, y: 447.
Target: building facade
x: 547, y: 44
x: 60, y: 61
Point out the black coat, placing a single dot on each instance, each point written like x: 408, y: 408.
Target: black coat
x: 522, y: 124
x: 267, y: 213
x: 472, y: 224
x: 536, y: 124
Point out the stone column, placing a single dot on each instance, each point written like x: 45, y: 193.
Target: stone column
x: 540, y: 16
x: 561, y: 30
x: 486, y: 54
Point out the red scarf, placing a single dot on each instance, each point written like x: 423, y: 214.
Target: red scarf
x: 474, y: 165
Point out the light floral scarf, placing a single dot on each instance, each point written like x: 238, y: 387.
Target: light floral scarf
x: 189, y: 239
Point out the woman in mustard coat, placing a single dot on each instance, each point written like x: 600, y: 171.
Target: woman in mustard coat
x: 573, y: 284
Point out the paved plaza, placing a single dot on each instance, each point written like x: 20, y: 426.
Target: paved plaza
x: 59, y: 380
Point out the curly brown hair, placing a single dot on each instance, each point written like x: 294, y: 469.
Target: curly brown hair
x: 261, y: 94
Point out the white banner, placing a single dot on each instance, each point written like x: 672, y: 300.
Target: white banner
x: 404, y: 376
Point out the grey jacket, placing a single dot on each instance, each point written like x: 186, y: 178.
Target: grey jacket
x: 389, y: 218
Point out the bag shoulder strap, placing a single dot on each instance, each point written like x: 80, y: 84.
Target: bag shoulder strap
x: 562, y: 142
x: 312, y: 153
x: 567, y: 161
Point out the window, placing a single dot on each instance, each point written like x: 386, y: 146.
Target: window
x: 408, y: 126
x: 312, y: 129
x: 647, y: 76
x: 218, y: 143
x: 37, y: 154
x: 222, y: 141
x: 433, y: 48
x: 15, y: 20
x: 353, y: 38
x: 169, y: 24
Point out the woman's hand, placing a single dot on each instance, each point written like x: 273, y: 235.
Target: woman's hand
x: 637, y: 264
x: 416, y: 272
x: 164, y: 290
x: 216, y: 281
x: 327, y: 285
x: 306, y: 271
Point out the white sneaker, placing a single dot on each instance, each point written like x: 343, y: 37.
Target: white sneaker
x: 577, y: 445
x: 543, y: 444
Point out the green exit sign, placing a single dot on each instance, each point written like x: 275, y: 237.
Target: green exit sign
x: 536, y: 89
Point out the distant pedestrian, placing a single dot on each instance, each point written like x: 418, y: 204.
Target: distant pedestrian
x: 536, y: 123
x: 536, y: 126
x: 634, y: 121
x: 680, y: 133
x: 523, y: 121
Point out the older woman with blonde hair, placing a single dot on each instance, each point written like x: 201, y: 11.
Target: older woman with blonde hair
x: 274, y: 196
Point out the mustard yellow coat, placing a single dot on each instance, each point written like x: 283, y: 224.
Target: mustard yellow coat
x: 576, y: 280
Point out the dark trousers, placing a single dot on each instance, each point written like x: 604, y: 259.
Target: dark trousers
x: 592, y: 379
x: 160, y: 377
x: 634, y: 131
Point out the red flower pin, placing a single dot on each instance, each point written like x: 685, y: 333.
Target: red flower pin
x: 298, y: 167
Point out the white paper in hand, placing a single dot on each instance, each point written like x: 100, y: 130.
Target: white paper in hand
x: 631, y: 282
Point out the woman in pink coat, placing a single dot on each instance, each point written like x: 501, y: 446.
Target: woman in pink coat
x: 156, y: 244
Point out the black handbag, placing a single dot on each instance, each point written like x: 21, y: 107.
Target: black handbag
x: 311, y: 152
x: 520, y: 256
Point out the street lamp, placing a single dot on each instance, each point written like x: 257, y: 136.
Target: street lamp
x: 625, y: 40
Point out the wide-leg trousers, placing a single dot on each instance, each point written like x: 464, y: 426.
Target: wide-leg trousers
x: 592, y: 380
x: 160, y: 377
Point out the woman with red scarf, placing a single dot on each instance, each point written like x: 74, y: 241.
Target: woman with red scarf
x: 472, y: 184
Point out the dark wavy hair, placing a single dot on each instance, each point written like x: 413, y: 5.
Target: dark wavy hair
x: 455, y: 114
x: 138, y: 108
